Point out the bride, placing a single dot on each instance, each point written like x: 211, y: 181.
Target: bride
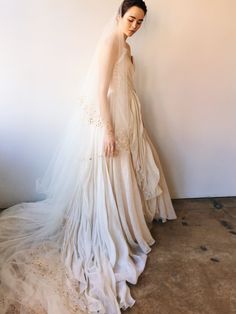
x: 77, y: 250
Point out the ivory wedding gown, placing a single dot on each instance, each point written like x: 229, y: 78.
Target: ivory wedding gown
x: 76, y: 251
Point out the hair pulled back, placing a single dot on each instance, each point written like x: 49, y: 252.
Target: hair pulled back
x: 127, y: 4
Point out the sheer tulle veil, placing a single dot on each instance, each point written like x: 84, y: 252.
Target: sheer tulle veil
x: 111, y: 44
x: 36, y: 260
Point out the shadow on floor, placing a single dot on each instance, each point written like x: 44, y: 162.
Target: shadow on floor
x: 192, y: 266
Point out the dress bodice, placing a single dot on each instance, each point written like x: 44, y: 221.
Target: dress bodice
x: 128, y: 70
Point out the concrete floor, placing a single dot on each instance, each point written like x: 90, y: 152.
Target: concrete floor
x: 192, y: 266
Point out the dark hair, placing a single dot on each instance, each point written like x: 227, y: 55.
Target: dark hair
x: 127, y: 4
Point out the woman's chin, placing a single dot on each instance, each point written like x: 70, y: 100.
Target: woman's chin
x: 130, y: 34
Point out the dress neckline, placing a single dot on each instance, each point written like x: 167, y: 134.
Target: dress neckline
x: 122, y: 54
x: 128, y: 54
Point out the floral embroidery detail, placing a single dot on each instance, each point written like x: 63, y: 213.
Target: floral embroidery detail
x: 91, y: 112
x: 92, y: 116
x: 122, y: 140
x: 39, y: 264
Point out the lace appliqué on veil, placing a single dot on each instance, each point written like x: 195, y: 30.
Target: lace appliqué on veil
x: 37, y: 264
x: 91, y: 115
x: 90, y: 112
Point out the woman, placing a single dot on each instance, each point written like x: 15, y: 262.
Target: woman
x: 75, y: 251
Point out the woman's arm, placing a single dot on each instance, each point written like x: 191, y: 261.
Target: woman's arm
x: 107, y: 59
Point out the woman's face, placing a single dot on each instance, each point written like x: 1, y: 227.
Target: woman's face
x: 132, y: 21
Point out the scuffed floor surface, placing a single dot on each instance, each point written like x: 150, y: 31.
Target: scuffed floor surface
x: 192, y: 267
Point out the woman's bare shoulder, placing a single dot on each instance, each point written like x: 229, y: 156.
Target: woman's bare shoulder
x: 108, y: 47
x: 111, y: 41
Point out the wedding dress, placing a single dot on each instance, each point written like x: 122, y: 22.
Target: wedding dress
x: 77, y: 250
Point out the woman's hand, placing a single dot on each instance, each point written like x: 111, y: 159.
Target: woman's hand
x: 110, y: 144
